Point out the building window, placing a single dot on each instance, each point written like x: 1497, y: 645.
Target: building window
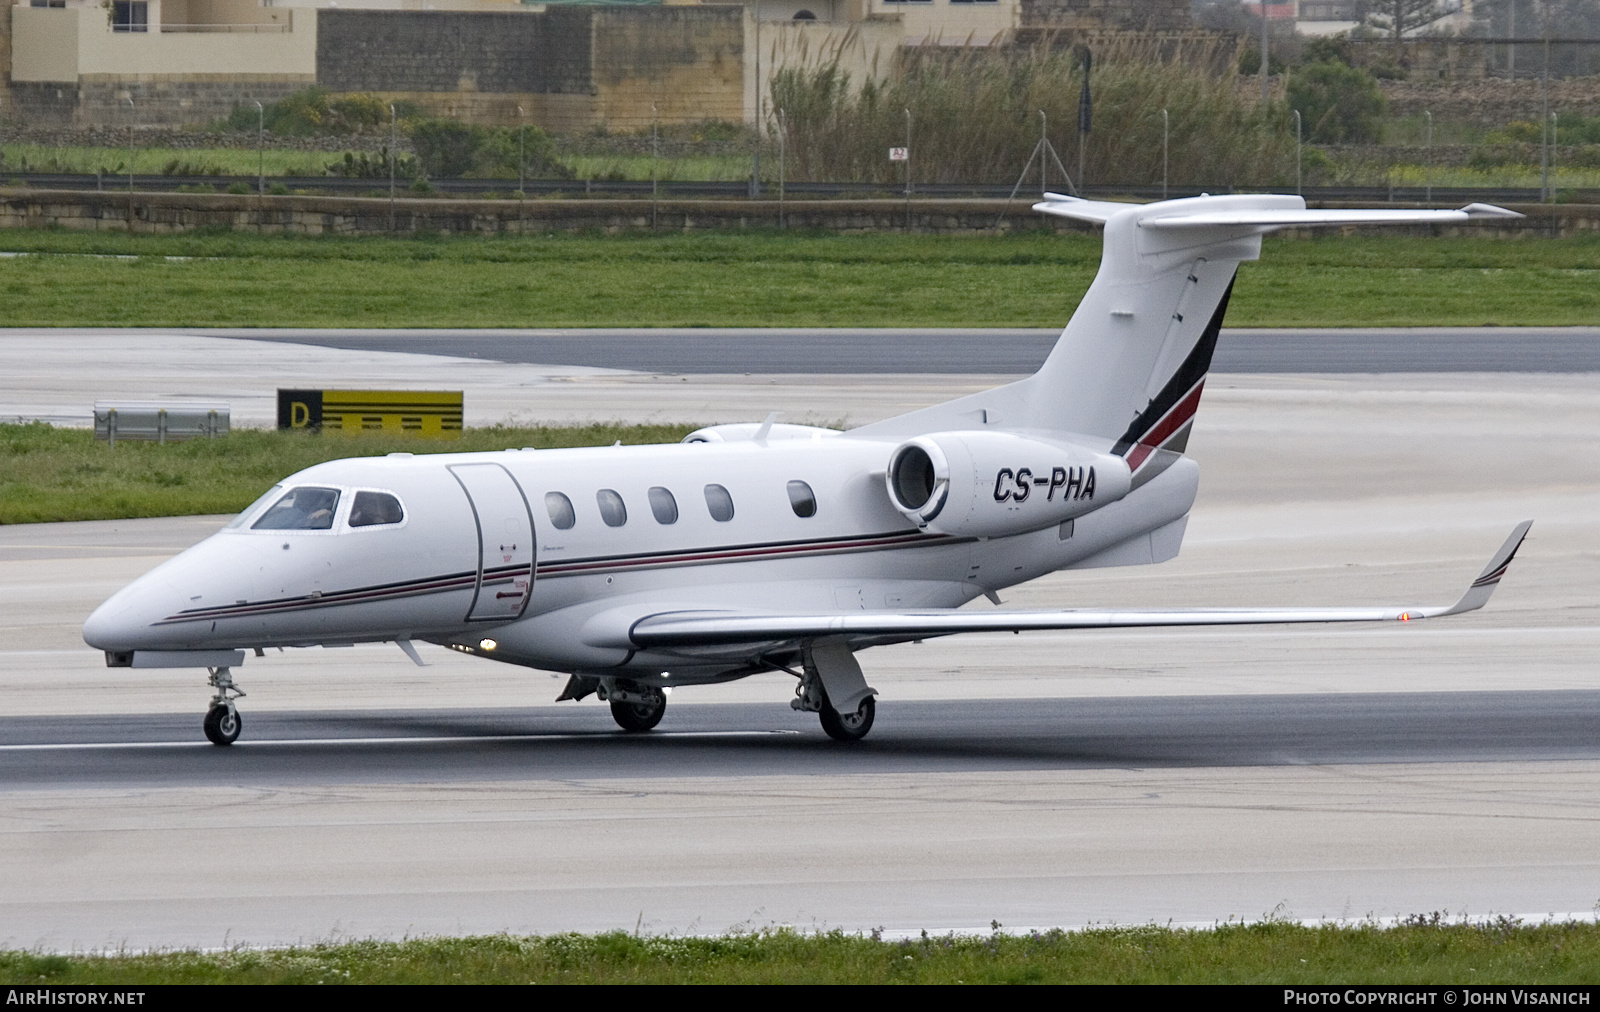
x: 130, y: 15
x: 802, y: 499
x: 804, y: 15
x: 663, y: 506
x: 562, y: 515
x: 47, y: 3
x: 720, y: 503
x: 974, y: 1
x: 612, y: 509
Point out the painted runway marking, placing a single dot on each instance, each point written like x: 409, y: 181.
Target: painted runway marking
x: 439, y: 740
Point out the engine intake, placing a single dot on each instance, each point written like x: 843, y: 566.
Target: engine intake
x: 993, y: 484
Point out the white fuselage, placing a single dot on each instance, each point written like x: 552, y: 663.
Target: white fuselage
x: 478, y: 559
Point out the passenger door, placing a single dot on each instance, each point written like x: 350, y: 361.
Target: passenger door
x: 505, y: 541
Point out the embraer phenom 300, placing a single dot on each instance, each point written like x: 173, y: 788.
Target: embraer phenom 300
x: 748, y: 549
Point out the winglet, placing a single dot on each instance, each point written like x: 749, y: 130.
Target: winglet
x: 1490, y: 211
x: 1065, y: 206
x: 1477, y: 595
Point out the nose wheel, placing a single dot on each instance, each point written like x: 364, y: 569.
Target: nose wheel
x: 634, y: 707
x: 223, y: 723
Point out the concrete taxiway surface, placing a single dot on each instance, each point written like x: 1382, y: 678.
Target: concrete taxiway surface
x: 704, y: 375
x: 1037, y: 780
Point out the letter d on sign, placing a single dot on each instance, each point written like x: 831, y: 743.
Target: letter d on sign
x: 300, y: 409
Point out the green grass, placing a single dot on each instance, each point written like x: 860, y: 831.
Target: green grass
x: 149, y: 161
x: 49, y: 474
x: 761, y: 278
x: 1269, y: 952
x: 716, y: 168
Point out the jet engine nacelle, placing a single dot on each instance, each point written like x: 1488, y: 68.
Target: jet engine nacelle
x: 993, y: 484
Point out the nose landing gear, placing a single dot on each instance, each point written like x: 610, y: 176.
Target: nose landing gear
x: 222, y: 723
x: 634, y: 707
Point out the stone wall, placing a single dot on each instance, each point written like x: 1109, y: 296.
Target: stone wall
x: 181, y: 212
x: 455, y: 51
x: 568, y: 68
x: 1492, y: 102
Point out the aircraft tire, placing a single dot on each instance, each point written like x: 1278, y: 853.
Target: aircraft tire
x: 848, y: 728
x: 636, y: 717
x: 223, y: 725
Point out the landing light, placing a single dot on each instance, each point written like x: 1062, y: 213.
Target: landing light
x: 487, y: 644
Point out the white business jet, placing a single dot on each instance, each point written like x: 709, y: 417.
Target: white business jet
x: 749, y: 549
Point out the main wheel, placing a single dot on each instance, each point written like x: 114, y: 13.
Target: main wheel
x: 638, y: 716
x: 848, y: 727
x: 223, y: 725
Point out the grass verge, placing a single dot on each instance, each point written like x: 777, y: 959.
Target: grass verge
x: 755, y: 279
x: 49, y: 474
x: 1425, y: 950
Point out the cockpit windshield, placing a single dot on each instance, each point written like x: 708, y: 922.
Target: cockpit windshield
x: 301, y: 509
x: 250, y: 510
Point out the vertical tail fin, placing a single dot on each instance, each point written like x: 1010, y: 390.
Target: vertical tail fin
x: 1128, y: 370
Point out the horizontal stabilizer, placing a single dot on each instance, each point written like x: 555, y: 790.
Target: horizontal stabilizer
x: 1194, y: 213
x: 1272, y: 218
x: 666, y: 630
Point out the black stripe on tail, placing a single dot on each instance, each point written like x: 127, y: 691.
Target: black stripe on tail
x: 1192, y: 371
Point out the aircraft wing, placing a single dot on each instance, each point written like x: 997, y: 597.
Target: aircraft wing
x: 708, y: 627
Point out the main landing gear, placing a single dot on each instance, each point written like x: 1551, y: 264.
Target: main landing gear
x: 830, y: 664
x: 222, y: 723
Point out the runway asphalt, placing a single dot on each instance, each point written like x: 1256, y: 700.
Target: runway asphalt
x: 286, y: 749
x: 855, y: 351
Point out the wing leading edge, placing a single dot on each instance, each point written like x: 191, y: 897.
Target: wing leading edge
x: 705, y: 628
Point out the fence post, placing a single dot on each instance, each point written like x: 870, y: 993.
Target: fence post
x: 783, y: 158
x: 1299, y: 185
x: 1164, y: 130
x: 394, y: 156
x: 1427, y: 173
x: 261, y: 149
x: 908, y: 170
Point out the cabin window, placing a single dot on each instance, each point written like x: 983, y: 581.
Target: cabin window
x: 373, y: 508
x: 300, y: 509
x: 802, y: 499
x: 612, y: 510
x: 720, y: 503
x: 562, y: 515
x: 250, y: 510
x: 663, y: 505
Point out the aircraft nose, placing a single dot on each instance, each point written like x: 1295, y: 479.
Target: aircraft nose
x: 123, y: 622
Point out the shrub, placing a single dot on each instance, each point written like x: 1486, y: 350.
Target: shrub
x: 449, y: 149
x: 1340, y: 104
